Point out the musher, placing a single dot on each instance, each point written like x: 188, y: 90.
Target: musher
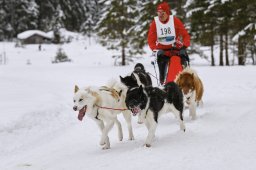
x: 168, y: 39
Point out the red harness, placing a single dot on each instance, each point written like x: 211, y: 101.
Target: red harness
x: 109, y: 108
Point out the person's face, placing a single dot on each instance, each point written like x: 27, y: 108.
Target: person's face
x: 162, y: 15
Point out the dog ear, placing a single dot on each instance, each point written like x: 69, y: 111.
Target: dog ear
x: 121, y: 79
x: 76, y: 88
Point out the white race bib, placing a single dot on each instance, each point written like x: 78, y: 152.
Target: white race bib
x: 165, y: 32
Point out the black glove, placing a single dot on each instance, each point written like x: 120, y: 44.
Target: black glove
x: 183, y: 52
x: 184, y: 56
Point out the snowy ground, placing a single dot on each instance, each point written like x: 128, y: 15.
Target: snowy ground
x: 40, y: 131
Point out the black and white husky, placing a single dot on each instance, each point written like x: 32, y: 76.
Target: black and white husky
x: 152, y: 102
x: 138, y: 77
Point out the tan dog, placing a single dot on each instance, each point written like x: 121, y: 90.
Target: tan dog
x: 192, y: 89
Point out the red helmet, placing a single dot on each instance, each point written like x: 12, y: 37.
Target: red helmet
x: 165, y: 7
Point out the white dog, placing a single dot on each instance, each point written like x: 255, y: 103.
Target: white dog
x: 102, y: 105
x: 121, y: 90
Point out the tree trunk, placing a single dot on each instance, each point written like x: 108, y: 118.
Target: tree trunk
x: 123, y: 55
x: 253, y: 60
x: 212, y: 55
x: 122, y: 36
x: 14, y: 28
x: 241, y: 55
x: 226, y: 49
x: 221, y: 50
x: 253, y: 51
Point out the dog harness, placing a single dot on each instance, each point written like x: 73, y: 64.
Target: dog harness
x: 110, y: 108
x: 113, y: 91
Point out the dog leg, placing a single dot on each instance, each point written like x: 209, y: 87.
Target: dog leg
x: 127, y: 117
x: 108, y: 126
x: 147, y: 125
x: 107, y: 144
x: 119, y: 129
x: 100, y: 124
x: 151, y: 125
x: 140, y: 119
x: 200, y: 103
x: 192, y: 110
x: 179, y: 116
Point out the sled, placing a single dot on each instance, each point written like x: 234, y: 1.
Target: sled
x: 163, y: 62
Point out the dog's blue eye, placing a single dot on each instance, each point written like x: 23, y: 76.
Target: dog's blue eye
x: 80, y: 100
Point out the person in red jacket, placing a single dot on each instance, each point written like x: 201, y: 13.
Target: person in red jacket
x: 166, y: 31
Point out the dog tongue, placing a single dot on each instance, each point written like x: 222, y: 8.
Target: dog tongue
x: 82, y: 113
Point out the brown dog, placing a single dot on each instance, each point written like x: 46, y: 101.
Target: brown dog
x: 192, y: 89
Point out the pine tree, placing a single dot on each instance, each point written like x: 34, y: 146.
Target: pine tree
x: 114, y: 28
x: 23, y: 16
x: 74, y: 13
x: 244, y: 14
x: 202, y: 24
x: 57, y: 24
x: 178, y: 8
x: 46, y: 10
x: 3, y: 21
x: 226, y: 27
x: 146, y: 12
x: 92, y: 15
x: 61, y: 56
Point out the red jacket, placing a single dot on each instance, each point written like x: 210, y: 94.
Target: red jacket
x: 179, y: 30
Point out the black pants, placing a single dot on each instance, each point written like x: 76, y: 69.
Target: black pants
x: 163, y: 62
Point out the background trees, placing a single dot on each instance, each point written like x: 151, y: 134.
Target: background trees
x: 115, y: 27
x: 217, y: 22
x: 123, y: 25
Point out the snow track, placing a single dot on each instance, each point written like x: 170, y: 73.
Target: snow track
x: 40, y: 131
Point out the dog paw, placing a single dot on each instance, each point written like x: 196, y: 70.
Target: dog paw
x: 140, y: 122
x: 131, y: 138
x: 102, y: 142
x: 193, y: 117
x: 182, y: 128
x: 106, y: 147
x: 120, y: 138
x: 147, y: 145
